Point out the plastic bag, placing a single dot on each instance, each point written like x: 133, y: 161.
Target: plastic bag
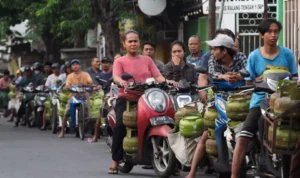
x: 182, y: 147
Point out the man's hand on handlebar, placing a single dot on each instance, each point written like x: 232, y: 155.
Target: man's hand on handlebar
x: 230, y: 78
x: 202, y: 96
x: 175, y: 84
x: 259, y: 78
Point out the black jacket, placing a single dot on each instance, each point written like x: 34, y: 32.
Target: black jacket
x: 176, y: 73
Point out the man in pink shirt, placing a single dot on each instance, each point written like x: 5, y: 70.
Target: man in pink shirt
x: 4, y: 88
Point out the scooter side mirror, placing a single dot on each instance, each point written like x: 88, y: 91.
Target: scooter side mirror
x: 244, y: 73
x: 201, y: 69
x: 126, y: 76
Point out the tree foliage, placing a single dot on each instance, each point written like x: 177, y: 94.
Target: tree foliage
x: 59, y: 18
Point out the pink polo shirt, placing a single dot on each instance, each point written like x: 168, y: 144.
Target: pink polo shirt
x: 4, y: 84
x: 140, y: 67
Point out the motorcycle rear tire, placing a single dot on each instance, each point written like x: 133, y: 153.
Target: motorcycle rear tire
x: 223, y: 175
x: 54, y: 119
x: 28, y: 118
x: 81, y: 121
x: 39, y: 119
x: 126, y: 167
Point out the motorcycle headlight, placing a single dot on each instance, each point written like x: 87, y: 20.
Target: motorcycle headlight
x: 183, y: 99
x: 157, y: 101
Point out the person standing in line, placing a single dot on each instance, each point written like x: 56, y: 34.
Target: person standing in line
x: 94, y: 70
x: 149, y: 49
x: 105, y: 75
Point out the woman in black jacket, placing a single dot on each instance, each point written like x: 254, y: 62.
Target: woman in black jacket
x: 178, y: 69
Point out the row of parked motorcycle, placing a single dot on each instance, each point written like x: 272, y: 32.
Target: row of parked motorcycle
x: 163, y: 110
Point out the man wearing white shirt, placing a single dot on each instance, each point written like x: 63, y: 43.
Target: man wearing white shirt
x: 51, y: 80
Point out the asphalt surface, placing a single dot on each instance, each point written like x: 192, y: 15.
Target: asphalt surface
x: 30, y: 153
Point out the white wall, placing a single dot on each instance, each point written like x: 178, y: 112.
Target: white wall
x: 229, y: 22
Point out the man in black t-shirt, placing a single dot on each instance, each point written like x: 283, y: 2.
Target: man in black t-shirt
x: 105, y: 83
x: 105, y: 74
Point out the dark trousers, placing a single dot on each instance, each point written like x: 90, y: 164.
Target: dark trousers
x: 295, y: 162
x: 21, y: 111
x: 119, y: 131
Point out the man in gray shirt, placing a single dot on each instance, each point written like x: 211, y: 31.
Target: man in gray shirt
x: 149, y: 50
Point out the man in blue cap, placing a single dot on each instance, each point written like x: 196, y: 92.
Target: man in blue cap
x: 76, y: 77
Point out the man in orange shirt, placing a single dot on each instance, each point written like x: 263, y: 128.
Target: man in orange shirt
x: 76, y: 77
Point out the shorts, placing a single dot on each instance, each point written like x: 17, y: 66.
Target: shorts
x: 250, y: 126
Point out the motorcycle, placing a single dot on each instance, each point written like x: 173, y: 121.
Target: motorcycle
x: 56, y: 119
x: 183, y: 94
x: 263, y: 149
x: 28, y: 98
x: 154, y: 117
x: 107, y: 112
x: 40, y: 99
x: 221, y: 164
x: 79, y: 111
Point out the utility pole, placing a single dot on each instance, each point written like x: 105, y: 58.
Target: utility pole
x: 211, y: 19
x: 266, y: 9
x: 221, y: 12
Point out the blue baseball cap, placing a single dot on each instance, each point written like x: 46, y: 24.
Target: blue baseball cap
x: 75, y: 61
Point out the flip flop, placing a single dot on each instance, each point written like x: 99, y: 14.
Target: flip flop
x: 113, y: 171
x: 90, y: 140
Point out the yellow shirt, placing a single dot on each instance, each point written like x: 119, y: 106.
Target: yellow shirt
x: 80, y: 78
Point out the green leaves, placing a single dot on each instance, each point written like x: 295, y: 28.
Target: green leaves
x: 59, y: 17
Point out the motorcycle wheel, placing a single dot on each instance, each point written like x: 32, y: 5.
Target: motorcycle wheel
x: 81, y: 121
x: 54, y: 119
x: 31, y: 122
x: 223, y: 175
x: 29, y: 119
x: 285, y: 167
x: 164, y: 161
x: 125, y: 167
x: 39, y: 119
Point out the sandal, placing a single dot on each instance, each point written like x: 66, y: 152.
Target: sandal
x: 113, y: 171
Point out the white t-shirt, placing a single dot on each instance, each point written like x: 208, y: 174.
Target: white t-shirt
x: 51, y: 80
x: 63, y: 77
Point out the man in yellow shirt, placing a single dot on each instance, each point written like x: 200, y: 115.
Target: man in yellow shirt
x: 76, y: 77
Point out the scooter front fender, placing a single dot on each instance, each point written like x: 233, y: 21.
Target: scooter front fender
x: 161, y: 130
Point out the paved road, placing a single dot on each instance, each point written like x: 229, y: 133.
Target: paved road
x: 30, y: 153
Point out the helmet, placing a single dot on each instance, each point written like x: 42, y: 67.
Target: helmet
x: 37, y: 66
x: 68, y: 64
x: 17, y: 72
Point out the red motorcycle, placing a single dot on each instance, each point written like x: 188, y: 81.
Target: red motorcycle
x: 148, y: 122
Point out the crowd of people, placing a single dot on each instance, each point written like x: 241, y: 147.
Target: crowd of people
x: 224, y: 60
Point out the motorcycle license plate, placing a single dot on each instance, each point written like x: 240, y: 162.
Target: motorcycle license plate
x: 162, y: 120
